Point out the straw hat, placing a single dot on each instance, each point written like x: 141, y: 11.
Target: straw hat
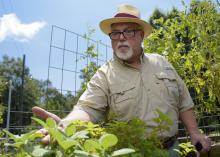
x: 126, y: 13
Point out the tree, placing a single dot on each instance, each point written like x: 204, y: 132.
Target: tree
x: 157, y: 14
x: 3, y: 86
x: 56, y: 101
x: 11, y: 68
x: 190, y: 41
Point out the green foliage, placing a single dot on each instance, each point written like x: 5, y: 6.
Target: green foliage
x: 190, y: 41
x: 85, y: 139
x: 135, y: 134
x: 55, y: 100
x: 3, y: 86
x: 186, y: 149
x: 164, y: 122
x: 11, y: 69
x: 91, y: 55
x: 1, y: 142
x: 87, y: 74
x: 79, y: 139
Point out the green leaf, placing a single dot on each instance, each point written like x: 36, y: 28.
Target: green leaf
x: 81, y: 153
x: 80, y: 134
x: 17, y: 144
x: 177, y: 150
x: 42, y: 123
x: 57, y: 135
x: 10, y: 135
x: 123, y: 152
x: 59, y: 154
x: 27, y: 136
x: 35, y: 135
x: 91, y: 145
x: 40, y: 152
x: 68, y: 143
x: 157, y: 120
x: 28, y: 148
x: 164, y: 117
x: 70, y: 130
x: 51, y: 123
x: 108, y: 140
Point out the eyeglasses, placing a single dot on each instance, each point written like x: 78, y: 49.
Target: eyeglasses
x: 127, y: 34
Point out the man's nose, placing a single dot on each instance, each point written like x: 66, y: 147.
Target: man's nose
x: 121, y: 37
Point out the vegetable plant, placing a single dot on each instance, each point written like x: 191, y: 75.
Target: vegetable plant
x: 78, y: 139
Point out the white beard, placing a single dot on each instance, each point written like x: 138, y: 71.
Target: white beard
x: 124, y: 55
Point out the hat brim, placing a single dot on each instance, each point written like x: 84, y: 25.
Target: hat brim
x: 105, y: 25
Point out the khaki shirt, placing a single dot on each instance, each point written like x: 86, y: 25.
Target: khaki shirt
x: 129, y: 92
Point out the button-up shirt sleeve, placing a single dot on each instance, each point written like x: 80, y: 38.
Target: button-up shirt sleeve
x: 94, y: 100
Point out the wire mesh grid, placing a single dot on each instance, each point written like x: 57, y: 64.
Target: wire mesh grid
x: 70, y: 48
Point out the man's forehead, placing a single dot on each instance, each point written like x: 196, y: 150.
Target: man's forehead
x: 125, y: 25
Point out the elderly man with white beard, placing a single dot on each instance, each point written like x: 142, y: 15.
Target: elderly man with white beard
x: 134, y: 84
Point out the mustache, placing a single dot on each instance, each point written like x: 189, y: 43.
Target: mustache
x: 123, y: 45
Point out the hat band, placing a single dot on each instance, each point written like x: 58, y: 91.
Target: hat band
x: 125, y: 15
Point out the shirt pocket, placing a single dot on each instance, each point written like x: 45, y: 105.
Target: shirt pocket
x: 123, y: 99
x: 170, y: 82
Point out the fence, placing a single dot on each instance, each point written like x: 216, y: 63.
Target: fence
x: 209, y: 125
x: 70, y: 48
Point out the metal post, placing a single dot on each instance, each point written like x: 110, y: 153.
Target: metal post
x: 9, y: 107
x: 22, y: 93
x: 49, y: 66
x: 64, y: 49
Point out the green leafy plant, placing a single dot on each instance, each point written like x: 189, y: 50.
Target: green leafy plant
x: 80, y: 139
x: 163, y: 121
x: 85, y: 139
x: 1, y: 142
x: 135, y: 134
x: 190, y: 39
x: 3, y: 85
x: 186, y: 149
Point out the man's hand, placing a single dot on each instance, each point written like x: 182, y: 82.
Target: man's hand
x: 43, y: 114
x: 189, y: 120
x: 204, y: 140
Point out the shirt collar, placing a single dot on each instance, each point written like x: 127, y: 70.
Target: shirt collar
x: 127, y: 64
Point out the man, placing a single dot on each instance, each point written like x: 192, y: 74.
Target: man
x: 134, y: 84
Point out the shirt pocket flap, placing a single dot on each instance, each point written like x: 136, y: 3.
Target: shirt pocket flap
x: 162, y: 75
x: 122, y: 92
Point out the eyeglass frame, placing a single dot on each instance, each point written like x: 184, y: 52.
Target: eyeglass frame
x: 128, y: 31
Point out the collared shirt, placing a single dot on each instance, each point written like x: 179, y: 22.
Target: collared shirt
x: 130, y: 92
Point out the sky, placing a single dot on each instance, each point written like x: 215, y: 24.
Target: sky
x: 25, y: 25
